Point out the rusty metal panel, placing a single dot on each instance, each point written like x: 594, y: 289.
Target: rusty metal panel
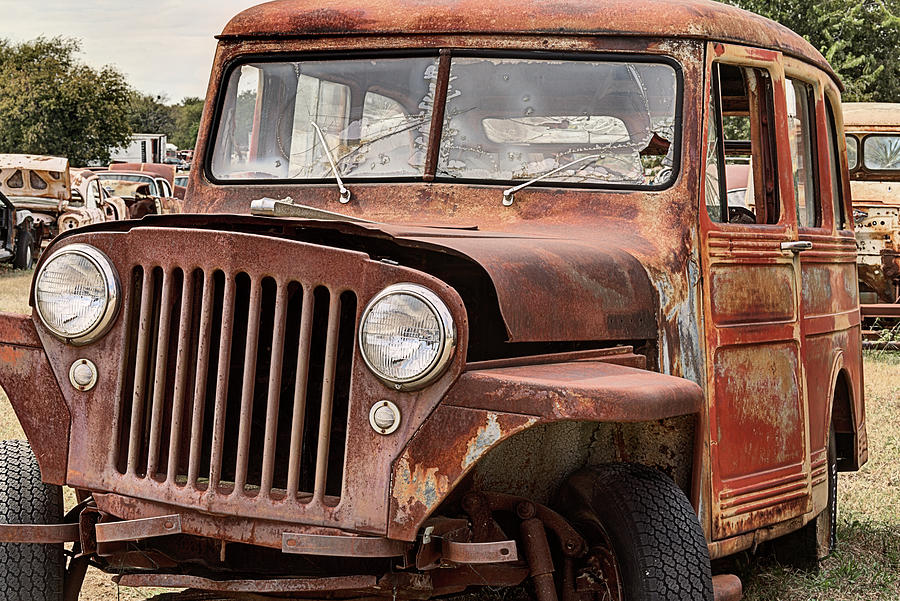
x: 582, y: 390
x: 700, y: 19
x: 27, y: 379
x: 742, y: 293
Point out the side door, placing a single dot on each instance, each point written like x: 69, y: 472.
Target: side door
x: 758, y: 419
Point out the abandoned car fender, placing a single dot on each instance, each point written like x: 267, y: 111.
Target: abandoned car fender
x: 487, y: 406
x: 28, y: 380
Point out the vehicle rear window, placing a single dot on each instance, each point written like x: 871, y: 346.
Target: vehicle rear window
x: 881, y: 153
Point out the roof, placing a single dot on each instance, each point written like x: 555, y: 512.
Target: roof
x: 33, y: 161
x: 695, y: 19
x: 871, y: 114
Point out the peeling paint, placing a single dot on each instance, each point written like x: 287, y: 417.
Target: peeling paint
x: 486, y: 436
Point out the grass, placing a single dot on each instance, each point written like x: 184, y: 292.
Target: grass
x: 864, y: 567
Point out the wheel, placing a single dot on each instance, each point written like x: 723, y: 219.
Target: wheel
x: 24, y: 258
x: 645, y: 541
x: 804, y: 548
x: 28, y: 572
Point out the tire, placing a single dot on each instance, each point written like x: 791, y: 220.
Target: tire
x: 640, y: 526
x: 24, y: 258
x: 805, y: 548
x: 28, y: 572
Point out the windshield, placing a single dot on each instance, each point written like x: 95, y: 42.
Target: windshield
x: 128, y: 186
x: 513, y: 119
x: 374, y: 116
x: 504, y: 120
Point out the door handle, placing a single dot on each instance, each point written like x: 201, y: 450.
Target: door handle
x: 797, y: 246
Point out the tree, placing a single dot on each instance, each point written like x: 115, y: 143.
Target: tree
x: 187, y: 122
x: 53, y: 104
x: 148, y: 114
x: 858, y: 37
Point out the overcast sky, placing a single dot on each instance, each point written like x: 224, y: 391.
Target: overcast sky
x: 162, y: 46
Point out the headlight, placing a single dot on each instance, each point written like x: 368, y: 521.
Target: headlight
x: 76, y: 293
x: 407, y: 335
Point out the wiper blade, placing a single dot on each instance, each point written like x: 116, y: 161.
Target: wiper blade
x: 271, y: 207
x: 510, y: 192
x: 345, y: 193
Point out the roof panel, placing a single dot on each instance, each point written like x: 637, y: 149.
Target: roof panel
x: 697, y: 19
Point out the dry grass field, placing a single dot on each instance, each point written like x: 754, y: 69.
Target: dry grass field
x: 864, y: 567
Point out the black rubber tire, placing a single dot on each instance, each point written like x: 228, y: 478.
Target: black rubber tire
x: 25, y: 254
x: 28, y: 572
x: 805, y: 548
x: 659, y: 546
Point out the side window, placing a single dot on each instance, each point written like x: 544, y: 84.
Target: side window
x: 852, y: 151
x: 801, y: 135
x: 741, y: 184
x: 834, y: 164
x: 16, y: 180
x: 36, y: 182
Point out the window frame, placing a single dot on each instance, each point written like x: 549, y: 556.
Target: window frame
x: 741, y: 57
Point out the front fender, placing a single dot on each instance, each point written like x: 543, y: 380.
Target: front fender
x: 34, y: 393
x: 487, y: 406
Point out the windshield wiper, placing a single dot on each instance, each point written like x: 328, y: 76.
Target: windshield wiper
x: 509, y: 193
x: 345, y: 193
x: 271, y: 207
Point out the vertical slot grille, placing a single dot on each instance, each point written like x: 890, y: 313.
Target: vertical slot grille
x: 235, y: 382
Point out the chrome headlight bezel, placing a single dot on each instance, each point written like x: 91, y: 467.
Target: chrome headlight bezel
x: 447, y: 331
x: 111, y: 288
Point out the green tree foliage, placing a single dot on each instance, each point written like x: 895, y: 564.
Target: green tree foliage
x: 148, y: 114
x: 860, y: 38
x: 53, y: 104
x: 187, y: 122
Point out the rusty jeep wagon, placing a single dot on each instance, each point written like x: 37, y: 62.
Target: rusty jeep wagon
x: 461, y: 302
x: 873, y: 155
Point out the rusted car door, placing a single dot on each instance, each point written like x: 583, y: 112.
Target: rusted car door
x: 758, y: 420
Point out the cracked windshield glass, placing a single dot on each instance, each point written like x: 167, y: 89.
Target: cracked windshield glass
x: 511, y: 119
x: 506, y: 119
x: 374, y: 115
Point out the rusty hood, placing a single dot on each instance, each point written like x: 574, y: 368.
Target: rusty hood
x: 557, y: 288
x: 563, y: 285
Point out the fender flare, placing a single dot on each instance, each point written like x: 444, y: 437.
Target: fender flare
x: 29, y: 382
x: 486, y: 407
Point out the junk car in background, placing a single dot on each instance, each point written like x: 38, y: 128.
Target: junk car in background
x: 41, y: 186
x: 873, y: 150
x: 20, y: 235
x: 462, y: 302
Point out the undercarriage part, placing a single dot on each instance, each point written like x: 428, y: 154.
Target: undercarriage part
x: 467, y: 553
x: 343, y: 546
x: 537, y: 550
x: 727, y: 587
x: 138, y: 529
x: 276, y: 585
x: 39, y: 533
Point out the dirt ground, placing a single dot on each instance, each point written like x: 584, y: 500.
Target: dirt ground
x: 864, y: 567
